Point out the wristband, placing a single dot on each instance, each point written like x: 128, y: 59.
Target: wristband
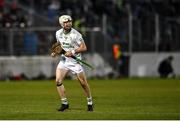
x: 73, y: 52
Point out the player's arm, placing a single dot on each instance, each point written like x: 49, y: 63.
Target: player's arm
x: 82, y: 47
x: 56, y: 46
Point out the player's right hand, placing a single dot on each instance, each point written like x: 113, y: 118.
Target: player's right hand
x: 53, y: 54
x: 68, y: 54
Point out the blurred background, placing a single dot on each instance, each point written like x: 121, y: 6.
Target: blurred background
x: 125, y: 38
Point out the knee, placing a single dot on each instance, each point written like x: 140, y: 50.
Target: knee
x: 58, y: 82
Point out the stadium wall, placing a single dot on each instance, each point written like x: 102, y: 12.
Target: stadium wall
x: 140, y: 65
x: 30, y: 66
x: 43, y: 67
x: 146, y: 64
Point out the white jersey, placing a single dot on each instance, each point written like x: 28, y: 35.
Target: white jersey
x: 69, y: 42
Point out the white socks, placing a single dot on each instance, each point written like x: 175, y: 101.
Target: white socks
x: 89, y: 101
x: 64, y: 101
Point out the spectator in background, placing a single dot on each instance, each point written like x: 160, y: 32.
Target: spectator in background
x: 79, y: 24
x: 1, y: 5
x: 165, y: 67
x: 18, y: 45
x: 53, y: 10
x: 1, y: 19
x: 14, y: 11
x: 30, y: 43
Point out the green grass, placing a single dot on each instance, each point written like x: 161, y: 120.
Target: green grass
x: 147, y: 98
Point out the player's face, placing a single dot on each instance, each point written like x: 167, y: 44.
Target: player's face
x: 67, y: 25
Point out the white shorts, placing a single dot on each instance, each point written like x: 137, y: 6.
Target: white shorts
x: 75, y: 68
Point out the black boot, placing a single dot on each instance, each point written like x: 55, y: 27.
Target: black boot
x: 89, y: 107
x: 63, y: 107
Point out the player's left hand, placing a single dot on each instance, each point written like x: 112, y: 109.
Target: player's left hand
x: 68, y: 54
x: 53, y: 54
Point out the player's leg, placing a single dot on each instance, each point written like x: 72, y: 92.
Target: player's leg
x: 83, y: 81
x: 60, y: 74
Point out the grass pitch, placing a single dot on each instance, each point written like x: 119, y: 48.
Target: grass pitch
x: 146, y: 98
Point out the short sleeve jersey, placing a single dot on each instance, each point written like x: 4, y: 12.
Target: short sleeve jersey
x: 69, y: 41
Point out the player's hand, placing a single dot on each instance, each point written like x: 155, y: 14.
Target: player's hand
x: 53, y: 54
x: 68, y: 54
